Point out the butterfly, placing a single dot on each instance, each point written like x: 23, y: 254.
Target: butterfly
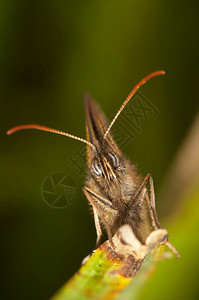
x: 117, y: 193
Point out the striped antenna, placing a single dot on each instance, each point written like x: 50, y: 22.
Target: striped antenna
x: 48, y: 129
x: 132, y: 93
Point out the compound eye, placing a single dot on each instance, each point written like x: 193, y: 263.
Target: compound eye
x: 115, y: 159
x: 97, y: 168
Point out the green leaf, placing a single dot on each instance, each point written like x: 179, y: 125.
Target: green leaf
x: 107, y: 273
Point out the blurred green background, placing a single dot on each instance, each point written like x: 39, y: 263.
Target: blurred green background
x: 50, y: 53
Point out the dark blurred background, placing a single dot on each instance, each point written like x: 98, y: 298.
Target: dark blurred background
x: 50, y: 53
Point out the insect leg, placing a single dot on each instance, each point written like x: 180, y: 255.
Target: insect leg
x: 138, y: 195
x: 135, y: 198
x: 100, y: 204
x: 97, y: 227
x: 98, y: 231
x: 153, y: 213
x: 151, y: 205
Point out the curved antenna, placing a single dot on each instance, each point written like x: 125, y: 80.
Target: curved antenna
x: 48, y: 129
x: 132, y: 93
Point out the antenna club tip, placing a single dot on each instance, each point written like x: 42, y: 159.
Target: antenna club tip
x: 9, y: 132
x: 13, y: 130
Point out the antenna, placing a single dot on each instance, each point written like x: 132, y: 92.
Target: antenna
x: 132, y: 93
x: 48, y: 129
